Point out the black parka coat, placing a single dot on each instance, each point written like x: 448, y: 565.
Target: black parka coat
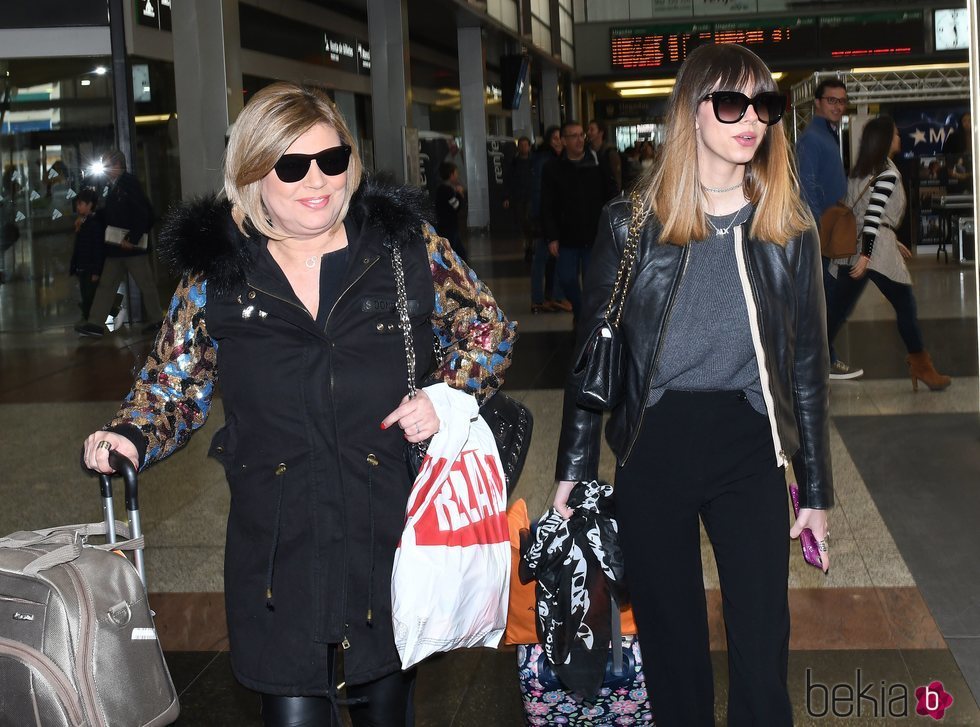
x: 318, y: 490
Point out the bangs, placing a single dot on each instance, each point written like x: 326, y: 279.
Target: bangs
x: 743, y: 73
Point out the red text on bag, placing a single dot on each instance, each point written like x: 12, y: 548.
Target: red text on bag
x: 467, y: 508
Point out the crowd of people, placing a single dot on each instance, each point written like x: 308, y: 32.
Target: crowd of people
x: 726, y: 372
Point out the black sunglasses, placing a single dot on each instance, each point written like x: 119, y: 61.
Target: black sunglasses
x: 294, y: 167
x: 730, y: 106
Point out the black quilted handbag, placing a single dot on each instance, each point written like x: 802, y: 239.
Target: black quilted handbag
x: 599, y: 367
x: 509, y: 420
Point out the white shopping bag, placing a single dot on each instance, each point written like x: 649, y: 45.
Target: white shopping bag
x: 450, y: 582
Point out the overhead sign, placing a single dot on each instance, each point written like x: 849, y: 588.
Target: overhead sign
x: 340, y: 52
x: 153, y: 14
x: 856, y: 35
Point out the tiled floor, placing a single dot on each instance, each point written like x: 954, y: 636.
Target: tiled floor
x: 899, y: 608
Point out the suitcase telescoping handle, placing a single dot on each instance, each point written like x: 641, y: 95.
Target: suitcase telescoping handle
x: 125, y: 468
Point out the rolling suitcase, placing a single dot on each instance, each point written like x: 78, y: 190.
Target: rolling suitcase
x: 77, y: 642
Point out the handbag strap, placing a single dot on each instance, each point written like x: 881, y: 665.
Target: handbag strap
x: 858, y: 198
x: 617, y: 298
x: 401, y: 304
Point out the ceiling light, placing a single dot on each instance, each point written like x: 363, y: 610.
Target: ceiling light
x: 100, y: 70
x: 778, y: 76
x: 920, y: 67
x: 650, y: 83
x: 153, y: 118
x: 86, y: 82
x: 626, y: 92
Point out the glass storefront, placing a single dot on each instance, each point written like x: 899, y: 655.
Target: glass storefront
x: 56, y: 120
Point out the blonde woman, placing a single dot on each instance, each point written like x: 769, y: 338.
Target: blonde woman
x: 726, y: 384
x: 288, y: 293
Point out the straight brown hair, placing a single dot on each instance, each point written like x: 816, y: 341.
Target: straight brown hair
x: 672, y: 188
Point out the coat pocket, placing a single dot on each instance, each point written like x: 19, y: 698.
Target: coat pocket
x: 224, y: 445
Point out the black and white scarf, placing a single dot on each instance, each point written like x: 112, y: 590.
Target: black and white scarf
x: 579, y: 569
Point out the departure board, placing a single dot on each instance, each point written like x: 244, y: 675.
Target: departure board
x: 802, y: 39
x: 663, y: 46
x: 773, y: 40
x: 872, y: 35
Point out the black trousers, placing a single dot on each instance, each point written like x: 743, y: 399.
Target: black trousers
x: 385, y: 702
x: 708, y: 455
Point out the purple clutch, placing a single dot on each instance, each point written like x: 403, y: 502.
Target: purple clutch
x: 808, y: 541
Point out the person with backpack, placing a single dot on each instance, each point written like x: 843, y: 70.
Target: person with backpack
x: 878, y: 197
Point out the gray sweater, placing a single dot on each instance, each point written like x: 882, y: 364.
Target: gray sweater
x: 708, y: 344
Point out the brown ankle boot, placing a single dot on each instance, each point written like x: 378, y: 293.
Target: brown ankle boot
x: 920, y: 367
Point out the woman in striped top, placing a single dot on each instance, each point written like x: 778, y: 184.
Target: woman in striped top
x: 877, y: 196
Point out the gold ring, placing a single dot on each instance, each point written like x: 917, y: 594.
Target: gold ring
x: 104, y: 444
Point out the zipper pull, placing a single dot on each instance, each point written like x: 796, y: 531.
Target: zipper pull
x: 345, y: 644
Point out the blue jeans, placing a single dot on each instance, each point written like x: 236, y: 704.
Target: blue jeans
x: 572, y: 264
x: 846, y: 295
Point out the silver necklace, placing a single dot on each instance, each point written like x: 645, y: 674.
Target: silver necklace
x: 311, y: 261
x: 725, y: 230
x: 719, y: 190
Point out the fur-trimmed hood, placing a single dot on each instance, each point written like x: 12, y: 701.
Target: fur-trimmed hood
x: 200, y: 238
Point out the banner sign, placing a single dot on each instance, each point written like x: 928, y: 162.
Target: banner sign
x: 501, y: 151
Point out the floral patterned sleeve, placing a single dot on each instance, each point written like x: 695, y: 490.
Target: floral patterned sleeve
x: 172, y: 394
x: 475, y: 335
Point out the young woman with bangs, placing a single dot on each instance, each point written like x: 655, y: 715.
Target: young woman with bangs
x: 726, y: 385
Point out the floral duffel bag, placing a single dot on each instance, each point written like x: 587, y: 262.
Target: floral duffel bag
x: 622, y: 698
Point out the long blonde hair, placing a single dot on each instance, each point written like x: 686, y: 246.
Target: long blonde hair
x: 672, y: 187
x: 275, y: 117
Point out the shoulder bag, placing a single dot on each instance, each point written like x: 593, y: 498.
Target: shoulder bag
x: 509, y: 420
x: 839, y: 229
x: 600, y: 364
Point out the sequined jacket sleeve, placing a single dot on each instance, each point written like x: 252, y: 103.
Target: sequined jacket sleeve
x: 172, y: 393
x: 475, y: 335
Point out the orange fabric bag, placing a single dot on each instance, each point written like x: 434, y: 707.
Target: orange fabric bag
x: 521, y: 617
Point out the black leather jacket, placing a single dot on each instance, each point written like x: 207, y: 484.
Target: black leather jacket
x: 787, y: 302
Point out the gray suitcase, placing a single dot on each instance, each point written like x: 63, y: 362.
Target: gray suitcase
x: 77, y: 640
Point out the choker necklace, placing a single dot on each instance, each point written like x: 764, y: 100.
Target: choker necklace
x: 311, y: 261
x: 719, y: 190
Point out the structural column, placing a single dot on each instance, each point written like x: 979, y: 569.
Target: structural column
x: 550, y: 105
x: 347, y: 107
x: 573, y: 103
x: 122, y: 84
x: 208, y: 83
x: 472, y: 91
x: 391, y: 85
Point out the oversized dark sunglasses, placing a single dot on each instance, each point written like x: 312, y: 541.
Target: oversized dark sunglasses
x: 294, y: 167
x: 730, y: 106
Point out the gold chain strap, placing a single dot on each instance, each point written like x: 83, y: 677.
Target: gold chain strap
x: 626, y: 264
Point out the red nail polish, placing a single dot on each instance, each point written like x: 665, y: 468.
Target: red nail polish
x: 383, y: 425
